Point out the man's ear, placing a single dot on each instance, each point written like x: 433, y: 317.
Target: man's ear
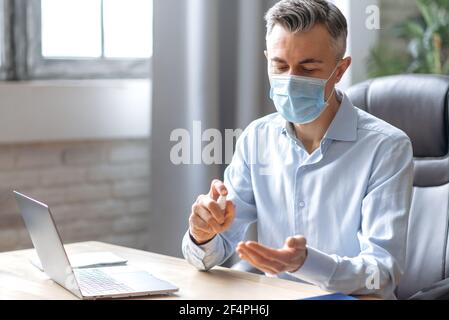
x: 344, y: 65
x: 265, y: 53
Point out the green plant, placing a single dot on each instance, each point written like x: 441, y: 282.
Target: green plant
x: 428, y: 43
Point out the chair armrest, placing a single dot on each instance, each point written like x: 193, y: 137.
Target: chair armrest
x: 437, y: 291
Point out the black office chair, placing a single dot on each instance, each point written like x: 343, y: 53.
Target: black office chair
x: 418, y: 104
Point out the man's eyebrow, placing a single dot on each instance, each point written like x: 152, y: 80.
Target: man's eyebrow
x: 305, y: 61
x: 310, y: 60
x: 276, y: 59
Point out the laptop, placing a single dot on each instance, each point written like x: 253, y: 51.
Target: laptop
x: 85, y: 283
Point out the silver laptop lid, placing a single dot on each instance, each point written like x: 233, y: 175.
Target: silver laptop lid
x: 47, y: 242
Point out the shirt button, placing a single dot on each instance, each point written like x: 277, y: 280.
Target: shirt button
x: 302, y: 204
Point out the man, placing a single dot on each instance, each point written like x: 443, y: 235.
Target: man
x: 332, y: 191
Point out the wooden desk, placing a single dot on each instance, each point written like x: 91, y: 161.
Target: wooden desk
x: 21, y: 280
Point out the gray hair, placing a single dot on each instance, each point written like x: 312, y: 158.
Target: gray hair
x: 302, y: 15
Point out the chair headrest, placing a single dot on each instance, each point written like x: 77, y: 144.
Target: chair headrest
x: 418, y: 105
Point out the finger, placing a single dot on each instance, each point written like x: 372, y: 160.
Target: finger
x: 207, y: 217
x: 261, y: 262
x: 229, y: 216
x: 278, y: 265
x: 296, y: 242
x: 273, y: 254
x: 213, y: 207
x: 217, y: 188
x: 254, y: 264
x: 202, y: 217
x: 198, y: 224
x: 291, y: 257
x: 248, y: 258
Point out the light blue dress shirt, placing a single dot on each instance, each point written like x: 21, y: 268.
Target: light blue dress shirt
x: 350, y: 198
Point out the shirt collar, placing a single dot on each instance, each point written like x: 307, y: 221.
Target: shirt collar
x: 344, y: 125
x: 342, y: 128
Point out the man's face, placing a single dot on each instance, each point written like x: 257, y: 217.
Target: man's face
x: 307, y: 54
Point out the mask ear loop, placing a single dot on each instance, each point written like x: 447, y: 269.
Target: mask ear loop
x: 330, y: 96
x: 333, y: 90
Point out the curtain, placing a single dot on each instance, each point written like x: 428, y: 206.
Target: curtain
x: 208, y: 67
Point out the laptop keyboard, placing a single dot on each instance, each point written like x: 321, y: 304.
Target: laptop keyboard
x: 96, y: 282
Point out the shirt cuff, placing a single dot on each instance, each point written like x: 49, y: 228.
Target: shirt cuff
x: 198, y: 252
x: 318, y: 268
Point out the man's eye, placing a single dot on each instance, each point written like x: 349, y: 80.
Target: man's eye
x: 309, y: 70
x: 279, y: 70
x: 280, y: 67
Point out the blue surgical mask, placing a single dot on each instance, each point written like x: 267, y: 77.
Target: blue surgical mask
x: 299, y: 100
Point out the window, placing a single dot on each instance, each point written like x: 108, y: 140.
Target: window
x: 76, y: 39
x: 110, y: 29
x: 4, y: 41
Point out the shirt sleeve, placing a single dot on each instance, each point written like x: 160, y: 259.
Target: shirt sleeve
x: 237, y: 178
x: 383, y: 231
x: 205, y: 256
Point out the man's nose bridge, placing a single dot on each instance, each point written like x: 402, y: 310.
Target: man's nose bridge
x: 294, y: 71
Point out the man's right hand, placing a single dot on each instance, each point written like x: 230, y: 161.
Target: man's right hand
x: 207, y: 218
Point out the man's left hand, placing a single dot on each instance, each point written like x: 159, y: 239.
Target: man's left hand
x: 273, y: 261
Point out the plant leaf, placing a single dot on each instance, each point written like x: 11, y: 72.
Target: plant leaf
x: 411, y: 30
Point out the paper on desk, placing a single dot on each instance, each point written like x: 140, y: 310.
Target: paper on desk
x: 88, y: 260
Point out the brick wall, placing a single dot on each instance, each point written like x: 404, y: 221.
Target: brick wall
x: 96, y: 190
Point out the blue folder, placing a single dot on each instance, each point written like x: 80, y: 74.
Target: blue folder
x: 333, y: 296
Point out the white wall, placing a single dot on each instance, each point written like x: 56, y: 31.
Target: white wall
x: 360, y: 40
